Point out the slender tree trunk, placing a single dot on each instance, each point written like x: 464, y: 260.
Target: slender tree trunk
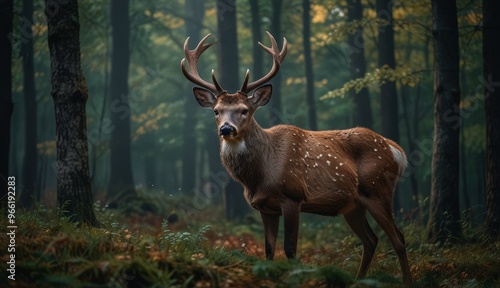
x: 257, y: 52
x: 235, y: 203
x: 491, y: 46
x: 6, y: 106
x: 275, y: 102
x: 30, y: 133
x: 413, y: 179
x: 306, y: 33
x: 194, y: 10
x: 444, y: 218
x: 69, y: 92
x: 388, y: 91
x: 363, y: 115
x: 121, y: 177
x: 99, y: 139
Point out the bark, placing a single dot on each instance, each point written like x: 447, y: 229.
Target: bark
x: 363, y: 115
x: 444, y: 215
x: 257, y: 52
x: 306, y: 26
x: 194, y: 10
x: 69, y: 92
x: 30, y: 165
x: 388, y: 91
x: 6, y: 106
x: 275, y: 103
x: 121, y: 177
x: 228, y: 76
x: 491, y: 46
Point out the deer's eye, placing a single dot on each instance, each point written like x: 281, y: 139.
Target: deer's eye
x: 244, y: 112
x: 216, y: 112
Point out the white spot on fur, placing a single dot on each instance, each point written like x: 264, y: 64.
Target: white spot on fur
x: 328, y: 162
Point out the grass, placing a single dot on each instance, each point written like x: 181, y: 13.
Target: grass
x: 52, y: 252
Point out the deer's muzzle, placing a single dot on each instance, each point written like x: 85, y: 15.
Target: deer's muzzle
x: 227, y: 129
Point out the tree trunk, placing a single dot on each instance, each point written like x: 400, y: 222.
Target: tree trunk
x: 257, y: 52
x: 276, y: 116
x: 363, y: 115
x: 491, y: 46
x: 6, y: 106
x: 195, y: 12
x: 306, y: 33
x: 388, y: 91
x: 444, y: 217
x: 69, y: 92
x: 121, y: 177
x: 235, y: 203
x: 30, y: 165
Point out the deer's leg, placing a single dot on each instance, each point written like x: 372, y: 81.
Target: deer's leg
x: 382, y: 213
x: 271, y: 225
x: 291, y: 214
x: 356, y: 219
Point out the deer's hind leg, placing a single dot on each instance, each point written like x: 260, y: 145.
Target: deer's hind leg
x: 356, y: 219
x: 381, y: 210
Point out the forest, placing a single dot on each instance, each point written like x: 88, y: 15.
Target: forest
x: 112, y: 175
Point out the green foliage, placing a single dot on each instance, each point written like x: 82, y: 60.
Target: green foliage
x: 404, y: 75
x: 333, y: 276
x: 182, y: 241
x: 51, y: 251
x: 270, y: 269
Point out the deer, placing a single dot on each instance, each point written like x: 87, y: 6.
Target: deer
x: 286, y: 170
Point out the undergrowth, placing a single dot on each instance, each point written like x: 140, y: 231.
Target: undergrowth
x: 53, y: 252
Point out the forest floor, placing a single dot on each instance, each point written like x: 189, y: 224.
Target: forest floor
x: 143, y: 250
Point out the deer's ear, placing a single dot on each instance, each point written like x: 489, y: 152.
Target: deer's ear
x: 205, y: 98
x: 262, y: 95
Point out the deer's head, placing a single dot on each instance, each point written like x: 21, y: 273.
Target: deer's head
x: 233, y: 112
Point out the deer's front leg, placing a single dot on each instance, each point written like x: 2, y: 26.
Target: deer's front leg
x: 271, y: 225
x: 291, y: 211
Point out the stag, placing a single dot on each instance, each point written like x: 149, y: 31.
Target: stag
x: 286, y: 170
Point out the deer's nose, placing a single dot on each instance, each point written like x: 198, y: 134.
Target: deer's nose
x: 227, y: 129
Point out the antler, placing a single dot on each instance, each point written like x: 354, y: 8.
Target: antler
x: 192, y: 57
x: 277, y: 59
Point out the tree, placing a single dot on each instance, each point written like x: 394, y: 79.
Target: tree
x: 257, y: 52
x: 30, y: 131
x: 491, y: 66
x: 69, y: 92
x: 6, y: 106
x: 275, y: 103
x: 363, y: 115
x: 235, y: 203
x: 444, y: 215
x: 388, y: 91
x: 121, y: 177
x: 194, y: 16
x: 306, y: 32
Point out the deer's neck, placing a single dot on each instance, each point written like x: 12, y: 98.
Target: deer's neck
x: 245, y: 160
